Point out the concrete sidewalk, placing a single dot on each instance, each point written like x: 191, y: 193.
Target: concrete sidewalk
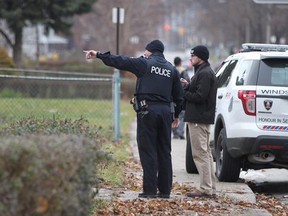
x: 235, y: 191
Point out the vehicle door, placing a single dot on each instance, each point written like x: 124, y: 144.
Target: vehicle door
x: 223, y: 76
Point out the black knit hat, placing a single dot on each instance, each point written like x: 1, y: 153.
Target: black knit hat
x: 200, y: 51
x: 155, y: 46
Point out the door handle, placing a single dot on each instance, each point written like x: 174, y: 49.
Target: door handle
x: 220, y: 96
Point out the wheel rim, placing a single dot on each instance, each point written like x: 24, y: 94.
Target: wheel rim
x: 219, y: 157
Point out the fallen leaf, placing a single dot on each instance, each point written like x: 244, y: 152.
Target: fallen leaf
x: 43, y: 205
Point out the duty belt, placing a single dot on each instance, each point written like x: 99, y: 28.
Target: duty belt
x: 154, y: 102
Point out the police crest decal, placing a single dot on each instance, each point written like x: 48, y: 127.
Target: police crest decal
x: 268, y: 104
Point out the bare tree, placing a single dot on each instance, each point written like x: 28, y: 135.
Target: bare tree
x: 216, y: 23
x: 96, y: 30
x: 235, y: 22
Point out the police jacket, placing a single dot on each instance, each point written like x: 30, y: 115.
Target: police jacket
x: 158, y: 81
x: 200, y: 96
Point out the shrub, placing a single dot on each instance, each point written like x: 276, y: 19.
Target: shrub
x: 48, y: 167
x: 9, y: 93
x: 53, y: 126
x: 5, y: 60
x: 49, y: 175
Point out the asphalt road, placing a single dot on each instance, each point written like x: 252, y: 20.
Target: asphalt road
x: 277, y: 189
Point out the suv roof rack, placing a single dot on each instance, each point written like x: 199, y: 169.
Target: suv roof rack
x: 248, y: 47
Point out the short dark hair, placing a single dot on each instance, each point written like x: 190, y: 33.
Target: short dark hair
x: 177, y: 61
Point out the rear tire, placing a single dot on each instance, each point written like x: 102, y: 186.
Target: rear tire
x: 190, y: 164
x: 227, y: 167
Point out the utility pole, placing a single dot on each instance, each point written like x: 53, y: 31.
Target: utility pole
x: 118, y: 18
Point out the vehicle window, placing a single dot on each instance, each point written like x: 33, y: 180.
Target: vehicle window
x: 243, y: 72
x: 279, y: 76
x: 220, y: 69
x: 224, y: 73
x: 274, y: 72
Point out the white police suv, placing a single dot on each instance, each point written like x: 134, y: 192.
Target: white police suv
x: 251, y: 122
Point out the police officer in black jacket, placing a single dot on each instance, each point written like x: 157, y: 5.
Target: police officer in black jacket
x: 157, y: 101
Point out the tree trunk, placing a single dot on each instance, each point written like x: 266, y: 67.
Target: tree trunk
x: 17, y: 47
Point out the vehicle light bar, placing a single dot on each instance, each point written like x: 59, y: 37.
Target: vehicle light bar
x: 246, y: 47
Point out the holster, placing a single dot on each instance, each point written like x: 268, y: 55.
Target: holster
x: 135, y: 104
x: 139, y: 106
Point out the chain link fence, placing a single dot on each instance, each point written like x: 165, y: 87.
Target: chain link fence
x: 50, y: 94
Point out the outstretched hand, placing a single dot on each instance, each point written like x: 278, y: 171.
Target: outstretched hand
x: 90, y: 54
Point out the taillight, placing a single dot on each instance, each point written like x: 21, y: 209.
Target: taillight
x: 248, y: 99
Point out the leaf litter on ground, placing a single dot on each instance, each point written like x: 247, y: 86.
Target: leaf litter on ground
x: 180, y: 204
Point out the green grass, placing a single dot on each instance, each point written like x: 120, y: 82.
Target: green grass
x: 112, y: 174
x: 97, y: 112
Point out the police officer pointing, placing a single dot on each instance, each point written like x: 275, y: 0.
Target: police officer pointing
x: 157, y: 100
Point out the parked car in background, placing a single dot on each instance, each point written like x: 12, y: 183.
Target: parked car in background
x: 251, y: 121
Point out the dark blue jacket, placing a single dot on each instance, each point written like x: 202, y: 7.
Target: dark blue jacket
x: 157, y: 79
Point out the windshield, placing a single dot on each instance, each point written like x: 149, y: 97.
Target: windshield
x: 273, y: 72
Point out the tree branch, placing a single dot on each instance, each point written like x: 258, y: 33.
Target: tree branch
x: 6, y: 38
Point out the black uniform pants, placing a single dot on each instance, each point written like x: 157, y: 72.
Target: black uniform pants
x: 154, y: 145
